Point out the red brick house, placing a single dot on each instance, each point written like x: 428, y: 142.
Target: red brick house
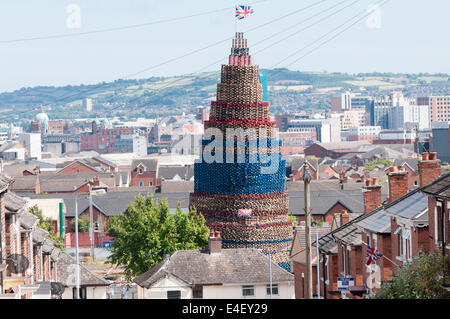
x: 399, y: 229
x: 144, y: 172
x: 77, y: 167
x: 333, y: 150
x: 298, y: 169
x: 438, y: 195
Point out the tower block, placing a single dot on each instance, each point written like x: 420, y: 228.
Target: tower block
x: 242, y: 198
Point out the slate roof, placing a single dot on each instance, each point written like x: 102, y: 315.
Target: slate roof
x: 39, y: 235
x: 61, y: 182
x: 17, y: 169
x: 111, y: 203
x: 65, y: 272
x: 55, y: 253
x: 177, y: 186
x: 169, y: 172
x: 48, y: 246
x: 5, y: 182
x: 14, y: 203
x: 439, y: 187
x: 411, y: 207
x: 376, y: 221
x: 297, y: 163
x: 411, y: 162
x: 323, y: 200
x: 105, y: 161
x: 342, y: 145
x: 231, y: 266
x: 28, y: 220
x: 301, y: 238
x: 151, y: 165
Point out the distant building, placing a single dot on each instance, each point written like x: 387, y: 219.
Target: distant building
x: 144, y: 172
x: 327, y: 130
x: 32, y: 143
x: 349, y: 101
x: 441, y: 140
x: 353, y: 118
x: 87, y: 104
x: 282, y: 121
x: 361, y: 133
x: 295, y: 142
x: 439, y: 107
x: 135, y: 144
x: 102, y: 139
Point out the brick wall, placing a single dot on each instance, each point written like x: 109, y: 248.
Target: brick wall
x: 429, y: 168
x: 3, y: 225
x: 37, y: 255
x: 76, y: 168
x: 372, y: 196
x: 398, y: 183
x: 300, y: 282
x: 145, y: 178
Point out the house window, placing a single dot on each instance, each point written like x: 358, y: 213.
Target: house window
x: 248, y: 291
x: 197, y: 292
x: 83, y: 294
x: 274, y: 290
x: 174, y: 294
x: 141, y: 170
x: 141, y: 184
x: 150, y: 183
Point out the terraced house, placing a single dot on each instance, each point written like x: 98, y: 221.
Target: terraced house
x: 407, y: 222
x: 29, y: 260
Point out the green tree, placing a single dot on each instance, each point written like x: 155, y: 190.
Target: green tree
x: 147, y: 232
x: 83, y: 224
x: 46, y: 224
x: 422, y: 278
x: 293, y: 220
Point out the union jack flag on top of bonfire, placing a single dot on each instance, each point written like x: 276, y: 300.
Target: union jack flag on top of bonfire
x: 372, y: 255
x: 243, y: 11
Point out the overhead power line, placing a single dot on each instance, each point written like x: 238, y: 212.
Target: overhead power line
x: 380, y: 3
x: 121, y: 28
x: 309, y: 26
x: 181, y: 56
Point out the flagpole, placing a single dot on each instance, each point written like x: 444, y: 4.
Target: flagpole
x: 370, y: 276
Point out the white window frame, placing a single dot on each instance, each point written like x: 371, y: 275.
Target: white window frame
x: 248, y: 287
x: 273, y: 286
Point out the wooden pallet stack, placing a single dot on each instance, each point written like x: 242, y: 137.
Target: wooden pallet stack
x: 247, y: 205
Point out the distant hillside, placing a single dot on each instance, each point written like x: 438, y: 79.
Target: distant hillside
x: 156, y: 96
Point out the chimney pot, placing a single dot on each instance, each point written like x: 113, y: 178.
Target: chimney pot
x: 375, y: 181
x: 433, y: 156
x: 425, y: 156
x: 367, y: 182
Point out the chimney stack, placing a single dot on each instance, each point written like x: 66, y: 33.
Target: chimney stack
x: 398, y: 183
x: 215, y: 242
x: 429, y: 168
x: 372, y: 195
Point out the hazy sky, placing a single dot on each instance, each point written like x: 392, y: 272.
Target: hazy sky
x: 412, y: 37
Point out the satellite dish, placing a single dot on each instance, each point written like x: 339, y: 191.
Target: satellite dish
x: 17, y: 264
x: 57, y: 288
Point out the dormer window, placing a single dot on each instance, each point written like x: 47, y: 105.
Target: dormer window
x: 141, y: 170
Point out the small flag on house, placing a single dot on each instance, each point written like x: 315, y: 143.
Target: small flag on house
x: 372, y: 255
x: 242, y: 12
x: 244, y: 212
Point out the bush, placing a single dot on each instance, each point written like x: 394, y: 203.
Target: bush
x: 422, y: 278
